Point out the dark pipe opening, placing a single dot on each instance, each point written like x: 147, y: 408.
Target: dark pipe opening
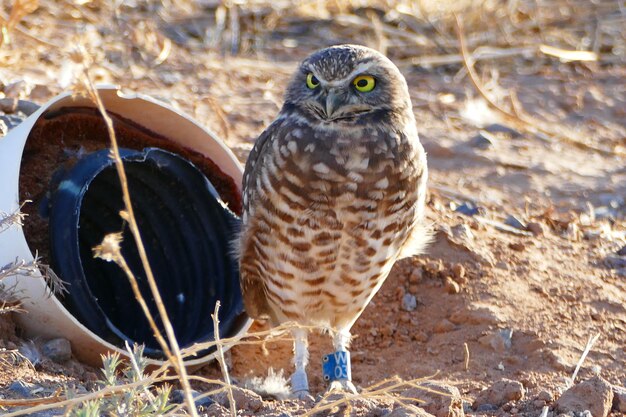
x: 186, y: 230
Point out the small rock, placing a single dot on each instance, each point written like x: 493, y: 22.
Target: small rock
x: 545, y: 396
x: 17, y: 89
x: 615, y: 262
x: 619, y: 399
x: 515, y: 222
x: 21, y: 389
x: 216, y: 410
x: 556, y: 361
x: 622, y: 251
x: 178, y: 397
x: 444, y: 326
x: 405, y: 412
x: 499, y: 341
x: 451, y: 286
x: 416, y: 276
x: 594, y: 394
x: 468, y: 209
x: 462, y: 232
x: 500, y: 393
x: 437, y: 398
x: 244, y: 399
x: 458, y: 271
x: 499, y: 128
x: 517, y: 246
x: 59, y: 350
x: 486, y: 408
x: 535, y: 228
x: 409, y: 302
x: 434, y: 267
x: 484, y: 140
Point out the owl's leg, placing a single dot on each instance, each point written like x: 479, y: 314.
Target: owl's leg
x: 299, y: 380
x: 342, y: 378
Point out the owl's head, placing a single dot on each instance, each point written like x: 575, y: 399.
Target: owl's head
x: 345, y: 84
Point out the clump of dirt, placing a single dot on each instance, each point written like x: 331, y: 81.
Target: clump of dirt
x: 60, y: 138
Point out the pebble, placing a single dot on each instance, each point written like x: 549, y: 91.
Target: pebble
x: 444, y: 326
x: 500, y: 393
x: 244, y: 399
x: 498, y: 341
x: 517, y: 246
x: 484, y: 140
x: 556, y: 361
x: 535, y: 228
x: 451, y: 286
x: 437, y: 398
x: 434, y: 267
x: 462, y: 232
x: 59, y: 350
x: 515, y: 222
x: 216, y: 410
x: 486, y: 408
x: 619, y: 399
x: 409, y: 302
x: 416, y: 276
x: 615, y: 262
x: 178, y: 397
x: 500, y: 128
x: 545, y: 396
x: 468, y: 209
x: 21, y: 389
x: 458, y: 271
x: 594, y: 394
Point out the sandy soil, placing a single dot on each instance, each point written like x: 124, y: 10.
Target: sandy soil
x: 492, y: 302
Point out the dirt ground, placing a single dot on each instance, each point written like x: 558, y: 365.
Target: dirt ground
x: 493, y: 301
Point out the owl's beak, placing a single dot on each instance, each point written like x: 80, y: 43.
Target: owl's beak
x: 334, y: 100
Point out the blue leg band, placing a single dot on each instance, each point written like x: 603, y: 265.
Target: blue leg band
x: 336, y: 366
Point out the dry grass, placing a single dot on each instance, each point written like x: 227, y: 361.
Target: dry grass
x: 94, y: 41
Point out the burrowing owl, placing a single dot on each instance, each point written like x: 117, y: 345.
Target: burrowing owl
x: 333, y: 195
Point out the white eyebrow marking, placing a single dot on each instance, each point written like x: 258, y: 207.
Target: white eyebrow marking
x: 361, y: 68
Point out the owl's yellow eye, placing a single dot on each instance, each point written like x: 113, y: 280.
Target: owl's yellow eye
x: 312, y: 81
x: 364, y: 83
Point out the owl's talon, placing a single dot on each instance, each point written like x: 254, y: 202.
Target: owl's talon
x: 342, y: 385
x: 302, y: 395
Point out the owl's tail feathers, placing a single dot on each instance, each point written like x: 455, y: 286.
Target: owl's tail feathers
x: 421, y: 236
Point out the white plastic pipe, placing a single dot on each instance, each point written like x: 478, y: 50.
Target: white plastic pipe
x: 45, y: 316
